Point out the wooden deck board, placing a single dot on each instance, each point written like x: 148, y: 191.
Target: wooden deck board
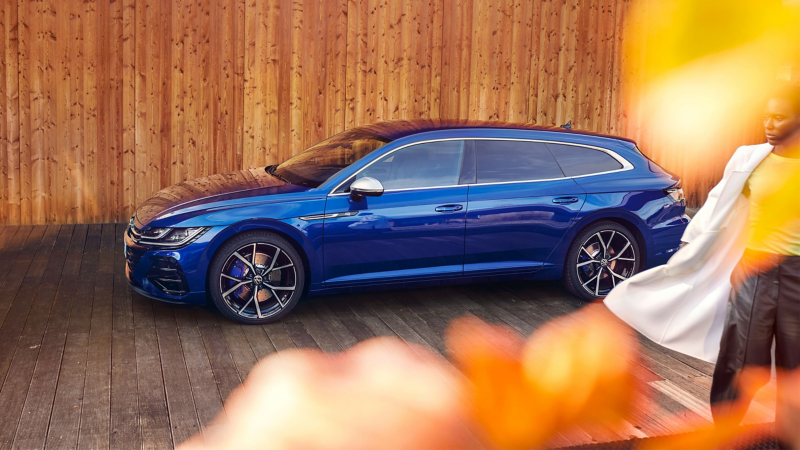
x: 35, y: 418
x: 207, y: 398
x: 96, y: 411
x: 180, y: 401
x: 67, y: 405
x: 124, y: 397
x: 86, y: 362
x: 20, y: 371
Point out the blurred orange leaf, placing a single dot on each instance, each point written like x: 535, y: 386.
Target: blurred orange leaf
x: 575, y: 369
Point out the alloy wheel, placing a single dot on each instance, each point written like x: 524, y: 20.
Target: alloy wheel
x: 605, y: 259
x: 258, y: 280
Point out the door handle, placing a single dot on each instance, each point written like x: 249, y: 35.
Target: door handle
x: 449, y: 208
x: 563, y: 200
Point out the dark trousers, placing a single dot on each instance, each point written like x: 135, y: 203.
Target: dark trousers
x: 764, y: 305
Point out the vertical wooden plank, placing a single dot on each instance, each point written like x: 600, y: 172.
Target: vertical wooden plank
x: 522, y: 19
x: 599, y: 80
x: 26, y: 19
x: 282, y: 14
x: 191, y: 86
x: 370, y: 18
x: 163, y: 137
x: 570, y: 87
x: 35, y: 112
x: 239, y: 47
x: 559, y: 83
x: 112, y: 118
x: 141, y: 53
x: 378, y: 40
x: 352, y: 64
x: 177, y: 95
x: 49, y: 94
x: 76, y: 86
x: 90, y: 131
x: 435, y: 74
x: 11, y: 155
x: 203, y: 115
x: 129, y: 104
x: 65, y: 204
x: 608, y: 69
x: 154, y: 89
x: 3, y: 115
x: 258, y: 68
x: 548, y: 51
x: 617, y: 114
x: 297, y: 121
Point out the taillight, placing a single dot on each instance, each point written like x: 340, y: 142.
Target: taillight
x: 675, y: 193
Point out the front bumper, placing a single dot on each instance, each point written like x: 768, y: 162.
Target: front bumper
x: 188, y: 265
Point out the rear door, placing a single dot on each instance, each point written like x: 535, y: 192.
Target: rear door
x: 519, y: 208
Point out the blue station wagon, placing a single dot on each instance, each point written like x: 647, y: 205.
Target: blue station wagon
x: 409, y: 203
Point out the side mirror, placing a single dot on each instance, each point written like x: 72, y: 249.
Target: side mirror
x: 365, y: 187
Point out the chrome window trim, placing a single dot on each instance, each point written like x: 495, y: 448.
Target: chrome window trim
x: 626, y: 165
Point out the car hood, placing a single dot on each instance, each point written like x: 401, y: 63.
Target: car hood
x: 210, y: 189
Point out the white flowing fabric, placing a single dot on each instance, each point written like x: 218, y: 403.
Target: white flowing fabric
x: 682, y: 304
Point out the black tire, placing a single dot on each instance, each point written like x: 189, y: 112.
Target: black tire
x: 621, y: 259
x: 245, y: 268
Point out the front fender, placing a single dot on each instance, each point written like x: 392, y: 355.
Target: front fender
x: 306, y: 235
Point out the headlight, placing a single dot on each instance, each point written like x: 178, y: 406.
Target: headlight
x: 165, y: 237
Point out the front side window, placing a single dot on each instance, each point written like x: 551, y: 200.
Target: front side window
x: 576, y: 161
x: 431, y: 164
x: 318, y: 163
x: 510, y: 161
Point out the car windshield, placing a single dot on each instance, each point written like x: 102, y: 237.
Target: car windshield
x: 318, y: 163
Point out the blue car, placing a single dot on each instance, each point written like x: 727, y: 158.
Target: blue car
x: 409, y: 203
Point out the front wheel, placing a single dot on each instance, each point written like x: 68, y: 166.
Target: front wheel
x: 601, y: 256
x: 257, y: 277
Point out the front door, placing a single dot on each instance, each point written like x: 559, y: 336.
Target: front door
x: 520, y: 207
x: 415, y: 230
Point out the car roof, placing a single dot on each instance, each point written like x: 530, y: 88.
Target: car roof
x: 396, y: 129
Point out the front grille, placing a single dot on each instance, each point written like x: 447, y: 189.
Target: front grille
x: 166, y: 274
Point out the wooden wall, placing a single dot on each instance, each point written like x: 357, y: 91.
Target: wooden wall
x: 106, y: 101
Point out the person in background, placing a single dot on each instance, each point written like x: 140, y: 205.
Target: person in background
x: 765, y: 299
x: 734, y: 287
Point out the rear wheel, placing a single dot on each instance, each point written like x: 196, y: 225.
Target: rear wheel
x: 256, y: 277
x: 601, y: 256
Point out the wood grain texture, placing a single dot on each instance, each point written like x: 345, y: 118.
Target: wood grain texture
x: 103, y: 103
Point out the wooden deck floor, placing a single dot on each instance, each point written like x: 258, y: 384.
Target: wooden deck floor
x: 86, y: 363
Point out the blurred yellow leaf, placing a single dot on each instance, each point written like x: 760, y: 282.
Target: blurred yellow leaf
x: 677, y: 32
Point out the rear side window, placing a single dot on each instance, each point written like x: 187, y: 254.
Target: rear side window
x: 507, y: 161
x: 575, y: 161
